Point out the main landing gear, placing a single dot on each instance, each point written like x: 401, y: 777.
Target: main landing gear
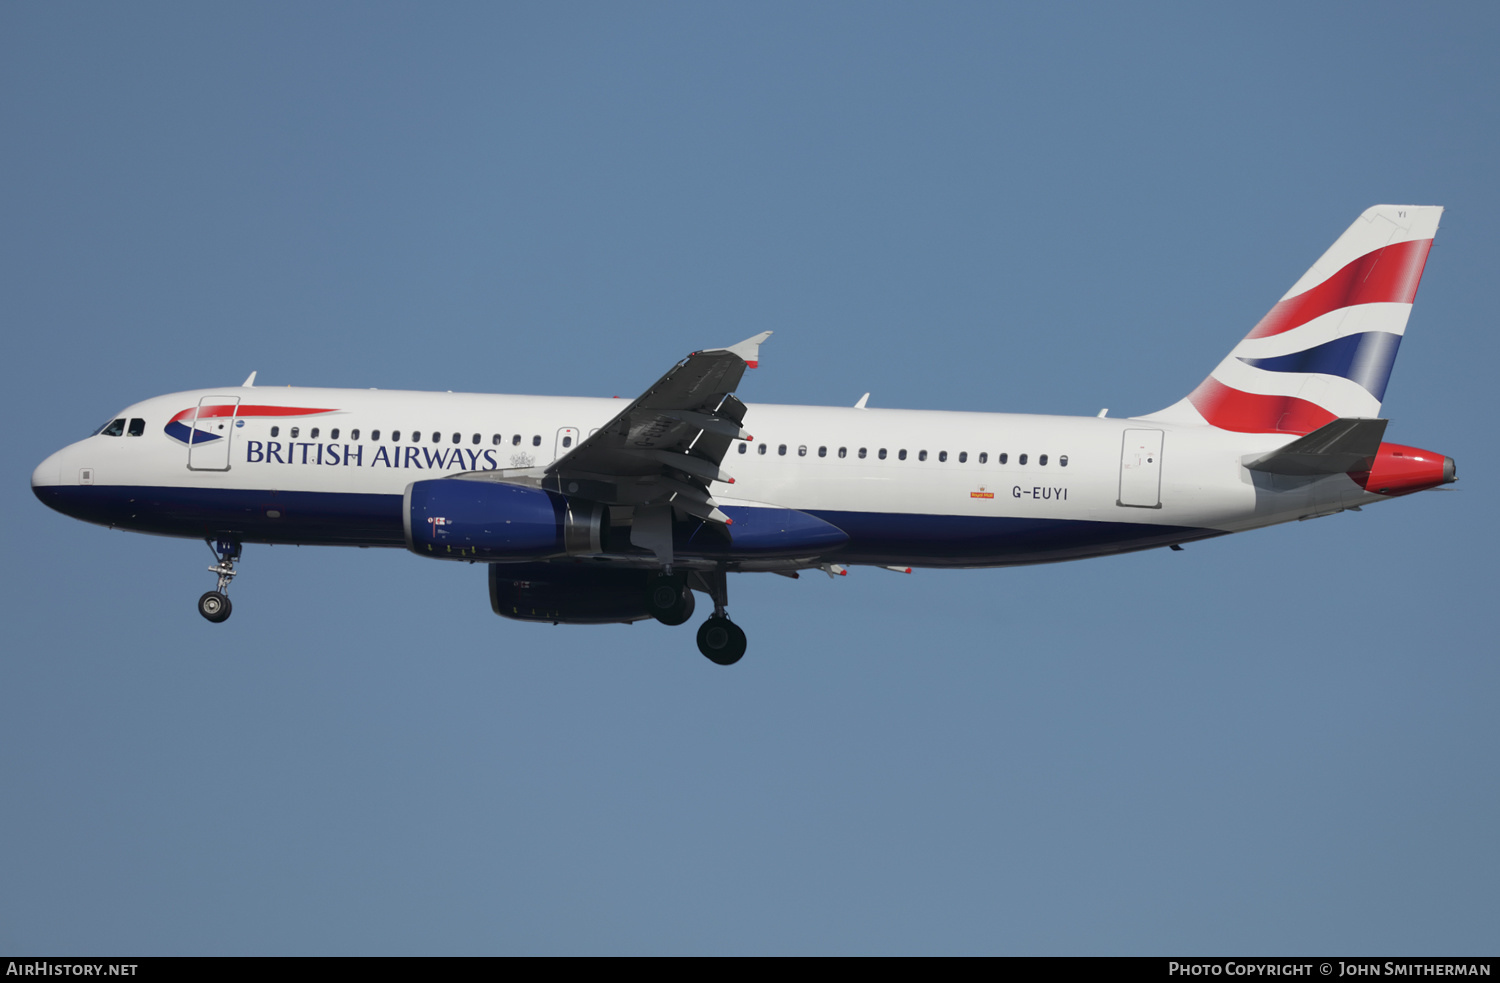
x: 720, y: 640
x: 215, y: 605
x: 669, y: 599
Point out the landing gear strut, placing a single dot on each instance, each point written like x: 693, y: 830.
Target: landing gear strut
x: 215, y: 605
x: 719, y: 639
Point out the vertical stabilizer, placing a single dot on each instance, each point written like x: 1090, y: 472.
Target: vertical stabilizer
x: 1326, y: 349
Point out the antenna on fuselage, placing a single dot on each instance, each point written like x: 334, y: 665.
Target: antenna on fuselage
x: 862, y: 401
x: 249, y: 382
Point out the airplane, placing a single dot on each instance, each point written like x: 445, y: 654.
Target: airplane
x: 584, y: 512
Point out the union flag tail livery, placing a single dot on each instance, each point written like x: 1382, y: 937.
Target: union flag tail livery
x: 1326, y: 349
x: 589, y: 511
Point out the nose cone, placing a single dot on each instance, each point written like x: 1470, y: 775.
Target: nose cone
x: 46, y: 481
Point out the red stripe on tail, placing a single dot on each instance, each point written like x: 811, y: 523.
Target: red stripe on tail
x: 1242, y: 412
x: 1389, y: 275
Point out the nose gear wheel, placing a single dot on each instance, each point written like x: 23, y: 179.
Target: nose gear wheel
x: 214, y: 605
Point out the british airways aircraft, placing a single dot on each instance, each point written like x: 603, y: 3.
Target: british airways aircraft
x: 584, y: 512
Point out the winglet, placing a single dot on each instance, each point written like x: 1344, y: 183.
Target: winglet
x: 749, y: 349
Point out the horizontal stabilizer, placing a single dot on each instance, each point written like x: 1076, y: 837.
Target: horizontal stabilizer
x: 1348, y: 444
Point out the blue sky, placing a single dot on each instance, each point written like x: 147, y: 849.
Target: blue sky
x: 1281, y: 742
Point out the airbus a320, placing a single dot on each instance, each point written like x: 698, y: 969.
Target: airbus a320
x: 584, y: 511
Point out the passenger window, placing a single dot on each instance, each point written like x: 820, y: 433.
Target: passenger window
x: 1021, y: 459
x: 1003, y: 458
x: 396, y: 435
x: 476, y: 438
x: 458, y: 438
x: 861, y: 453
x: 374, y: 435
x: 137, y: 426
x: 921, y: 455
x: 314, y: 434
x: 781, y: 450
x: 295, y: 431
x: 963, y: 457
x: 843, y: 452
x: 822, y: 452
x: 416, y: 436
x: 495, y: 440
x: 333, y: 434
x: 515, y: 441
x: 802, y: 451
x: 763, y: 448
x: 536, y: 441
x: 1062, y: 462
x: 742, y: 448
x: 567, y: 441
x: 942, y: 455
x: 984, y: 457
x: 1042, y: 460
x: 354, y: 434
x: 901, y: 453
x: 882, y: 453
x: 437, y: 438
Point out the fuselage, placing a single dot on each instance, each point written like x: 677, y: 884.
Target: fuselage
x: 909, y: 487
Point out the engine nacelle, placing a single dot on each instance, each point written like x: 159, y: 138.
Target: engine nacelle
x: 568, y: 593
x: 460, y: 519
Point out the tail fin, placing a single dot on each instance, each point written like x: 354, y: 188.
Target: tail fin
x: 1325, y: 350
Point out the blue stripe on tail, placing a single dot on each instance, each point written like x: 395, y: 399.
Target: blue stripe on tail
x: 1365, y: 359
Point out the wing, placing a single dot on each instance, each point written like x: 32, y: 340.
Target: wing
x: 667, y: 446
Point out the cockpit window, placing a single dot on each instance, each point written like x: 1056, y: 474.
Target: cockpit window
x: 113, y: 428
x: 137, y: 427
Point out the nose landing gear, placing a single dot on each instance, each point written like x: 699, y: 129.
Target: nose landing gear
x: 214, y: 605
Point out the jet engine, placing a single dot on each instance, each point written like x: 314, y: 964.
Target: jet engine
x: 573, y: 593
x: 461, y: 519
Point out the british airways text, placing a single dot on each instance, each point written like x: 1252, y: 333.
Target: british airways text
x: 355, y: 455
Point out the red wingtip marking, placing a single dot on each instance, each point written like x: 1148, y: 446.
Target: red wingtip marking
x: 843, y: 573
x: 728, y: 522
x: 731, y: 481
x: 754, y: 365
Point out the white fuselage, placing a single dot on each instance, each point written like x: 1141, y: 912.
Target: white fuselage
x: 910, y: 486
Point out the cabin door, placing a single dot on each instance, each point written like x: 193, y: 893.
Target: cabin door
x: 1140, y: 469
x: 210, y: 433
x: 567, y: 439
